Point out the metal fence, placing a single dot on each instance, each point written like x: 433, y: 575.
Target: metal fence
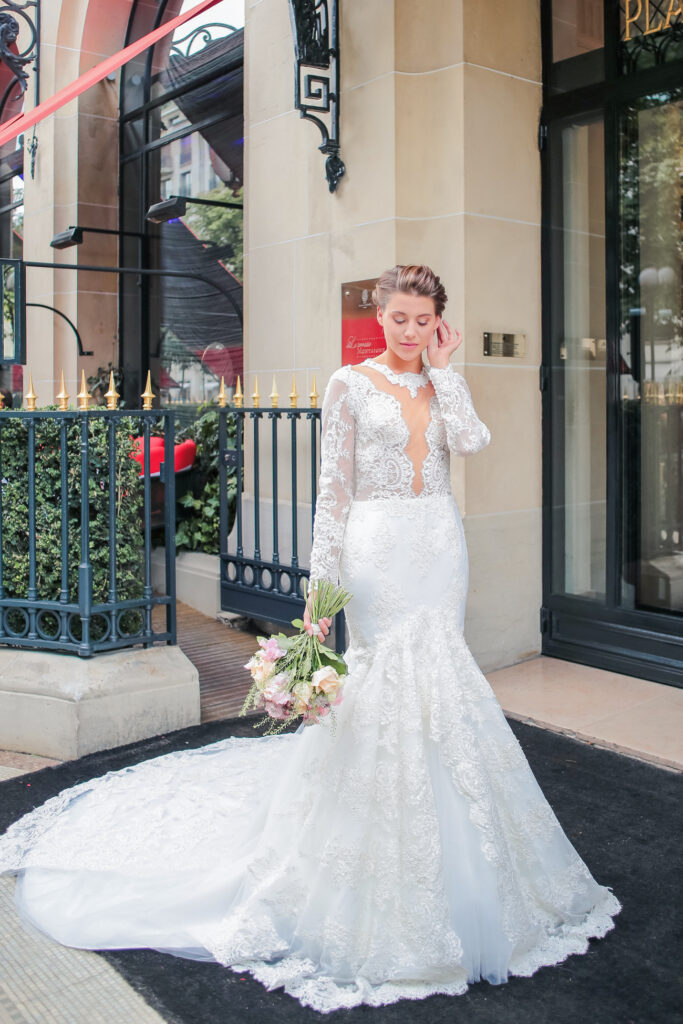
x: 258, y: 579
x: 76, y: 521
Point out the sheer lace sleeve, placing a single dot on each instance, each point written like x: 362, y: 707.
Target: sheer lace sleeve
x: 465, y: 431
x: 335, y: 489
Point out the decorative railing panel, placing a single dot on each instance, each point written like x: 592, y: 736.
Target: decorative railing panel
x: 259, y: 578
x: 76, y: 519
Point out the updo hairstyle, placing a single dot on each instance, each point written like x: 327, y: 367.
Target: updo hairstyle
x: 415, y: 280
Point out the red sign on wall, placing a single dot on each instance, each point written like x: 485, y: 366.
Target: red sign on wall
x: 362, y: 336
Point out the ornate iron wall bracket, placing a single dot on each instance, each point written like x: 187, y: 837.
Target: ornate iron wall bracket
x: 19, y: 25
x: 316, y: 91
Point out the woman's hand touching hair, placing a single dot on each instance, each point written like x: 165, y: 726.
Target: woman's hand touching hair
x: 442, y: 345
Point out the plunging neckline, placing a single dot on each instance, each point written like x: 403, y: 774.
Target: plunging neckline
x: 407, y: 379
x: 412, y: 382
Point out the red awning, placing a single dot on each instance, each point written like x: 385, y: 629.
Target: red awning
x: 22, y: 122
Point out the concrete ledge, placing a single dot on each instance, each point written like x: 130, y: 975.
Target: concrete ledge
x: 198, y: 581
x: 61, y: 706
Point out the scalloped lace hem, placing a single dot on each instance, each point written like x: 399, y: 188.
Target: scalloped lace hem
x: 325, y: 994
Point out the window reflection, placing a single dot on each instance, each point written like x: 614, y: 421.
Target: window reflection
x: 577, y: 27
x: 185, y: 102
x: 651, y: 353
x: 579, y: 383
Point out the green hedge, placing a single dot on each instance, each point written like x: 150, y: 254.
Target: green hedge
x: 199, y: 527
x: 15, y: 522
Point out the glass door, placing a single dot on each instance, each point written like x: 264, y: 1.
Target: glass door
x: 579, y: 357
x: 612, y: 377
x: 651, y: 353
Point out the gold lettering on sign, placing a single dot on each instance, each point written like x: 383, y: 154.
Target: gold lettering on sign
x: 650, y: 29
x: 629, y: 19
x: 679, y: 10
x: 634, y: 10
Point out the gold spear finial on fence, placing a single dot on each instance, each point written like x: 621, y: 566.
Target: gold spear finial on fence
x: 256, y: 397
x: 293, y: 397
x: 238, y: 397
x: 83, y: 397
x: 222, y: 397
x: 274, y: 397
x: 31, y: 397
x: 314, y: 395
x: 112, y: 396
x: 147, y: 395
x: 63, y: 397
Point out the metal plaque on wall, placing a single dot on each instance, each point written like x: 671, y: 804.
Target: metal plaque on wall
x: 498, y: 343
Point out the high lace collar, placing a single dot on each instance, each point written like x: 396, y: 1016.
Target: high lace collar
x: 407, y: 379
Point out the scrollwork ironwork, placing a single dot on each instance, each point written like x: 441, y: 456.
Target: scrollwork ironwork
x: 316, y: 92
x: 658, y: 39
x: 205, y: 34
x: 16, y: 15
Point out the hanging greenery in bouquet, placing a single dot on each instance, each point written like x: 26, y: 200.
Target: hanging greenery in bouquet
x: 298, y: 676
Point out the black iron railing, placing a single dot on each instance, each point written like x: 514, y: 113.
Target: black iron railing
x: 256, y: 581
x: 76, y: 519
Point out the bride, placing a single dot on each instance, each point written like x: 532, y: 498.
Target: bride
x: 405, y: 852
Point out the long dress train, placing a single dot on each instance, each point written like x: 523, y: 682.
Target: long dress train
x: 406, y: 851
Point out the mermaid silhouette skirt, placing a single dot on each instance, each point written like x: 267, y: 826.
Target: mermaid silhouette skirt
x: 404, y: 850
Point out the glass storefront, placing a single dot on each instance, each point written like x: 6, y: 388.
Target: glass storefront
x: 651, y: 351
x: 612, y: 374
x: 182, y: 139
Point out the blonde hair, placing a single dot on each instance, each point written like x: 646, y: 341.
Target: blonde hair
x: 413, y: 280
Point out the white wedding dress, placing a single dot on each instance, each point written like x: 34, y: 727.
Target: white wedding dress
x: 409, y: 850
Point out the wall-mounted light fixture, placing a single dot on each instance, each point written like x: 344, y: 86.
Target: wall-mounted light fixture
x: 74, y: 235
x: 316, y: 70
x: 176, y: 206
x: 65, y: 239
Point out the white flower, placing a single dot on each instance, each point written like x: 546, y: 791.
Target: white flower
x: 326, y: 680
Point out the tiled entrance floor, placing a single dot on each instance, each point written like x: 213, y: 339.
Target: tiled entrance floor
x: 634, y: 716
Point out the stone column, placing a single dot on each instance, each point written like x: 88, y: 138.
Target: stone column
x: 439, y: 111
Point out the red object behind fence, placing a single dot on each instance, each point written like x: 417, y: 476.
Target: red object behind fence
x: 184, y: 453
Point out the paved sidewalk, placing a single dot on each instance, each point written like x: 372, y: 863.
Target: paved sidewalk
x: 42, y: 982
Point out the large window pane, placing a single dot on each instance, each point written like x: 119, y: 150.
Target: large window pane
x: 577, y: 44
x: 577, y: 27
x: 579, y: 363
x: 651, y: 349
x: 184, y: 140
x: 199, y: 330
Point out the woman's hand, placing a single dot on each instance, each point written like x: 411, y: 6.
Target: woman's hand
x: 323, y: 624
x: 442, y: 345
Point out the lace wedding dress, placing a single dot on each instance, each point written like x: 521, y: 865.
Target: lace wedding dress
x: 407, y: 852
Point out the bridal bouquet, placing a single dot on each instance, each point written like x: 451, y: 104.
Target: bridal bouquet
x: 297, y: 676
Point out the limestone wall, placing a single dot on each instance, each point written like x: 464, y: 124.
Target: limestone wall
x: 439, y: 111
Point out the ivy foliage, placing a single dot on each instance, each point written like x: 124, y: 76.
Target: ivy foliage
x: 199, y: 529
x: 49, y: 501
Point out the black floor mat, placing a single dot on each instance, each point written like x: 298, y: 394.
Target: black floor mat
x: 622, y: 816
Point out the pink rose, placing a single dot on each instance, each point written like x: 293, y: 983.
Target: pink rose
x: 276, y: 710
x: 271, y: 649
x: 277, y: 690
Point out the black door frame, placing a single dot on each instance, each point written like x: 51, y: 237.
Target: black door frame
x: 605, y: 635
